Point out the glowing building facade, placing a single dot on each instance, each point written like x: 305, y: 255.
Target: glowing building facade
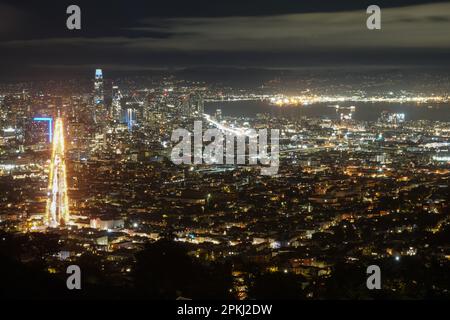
x: 99, y: 97
x: 98, y: 87
x: 116, y: 109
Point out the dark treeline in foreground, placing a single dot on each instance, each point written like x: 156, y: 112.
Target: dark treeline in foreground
x: 165, y: 270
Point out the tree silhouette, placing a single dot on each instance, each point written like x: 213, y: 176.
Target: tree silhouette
x: 276, y: 285
x: 165, y: 270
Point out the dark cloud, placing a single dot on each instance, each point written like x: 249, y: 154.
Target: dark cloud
x: 278, y: 35
x: 11, y: 19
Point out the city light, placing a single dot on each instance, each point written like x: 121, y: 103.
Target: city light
x: 57, y: 210
x: 50, y: 126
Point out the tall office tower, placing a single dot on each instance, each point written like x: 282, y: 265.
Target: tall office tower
x: 130, y: 117
x: 99, y: 98
x: 218, y: 115
x: 148, y: 110
x: 152, y: 115
x: 98, y: 87
x: 186, y: 109
x: 57, y: 210
x: 200, y: 105
x: 116, y: 109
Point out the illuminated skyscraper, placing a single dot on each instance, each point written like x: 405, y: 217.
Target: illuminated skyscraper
x: 99, y: 98
x: 98, y: 87
x: 200, y: 105
x: 57, y: 210
x: 186, y: 107
x: 130, y: 117
x: 192, y: 105
x: 116, y: 109
x: 218, y: 115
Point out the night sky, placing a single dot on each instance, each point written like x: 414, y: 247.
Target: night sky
x: 131, y: 36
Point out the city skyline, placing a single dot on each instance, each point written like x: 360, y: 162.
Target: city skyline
x: 237, y: 153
